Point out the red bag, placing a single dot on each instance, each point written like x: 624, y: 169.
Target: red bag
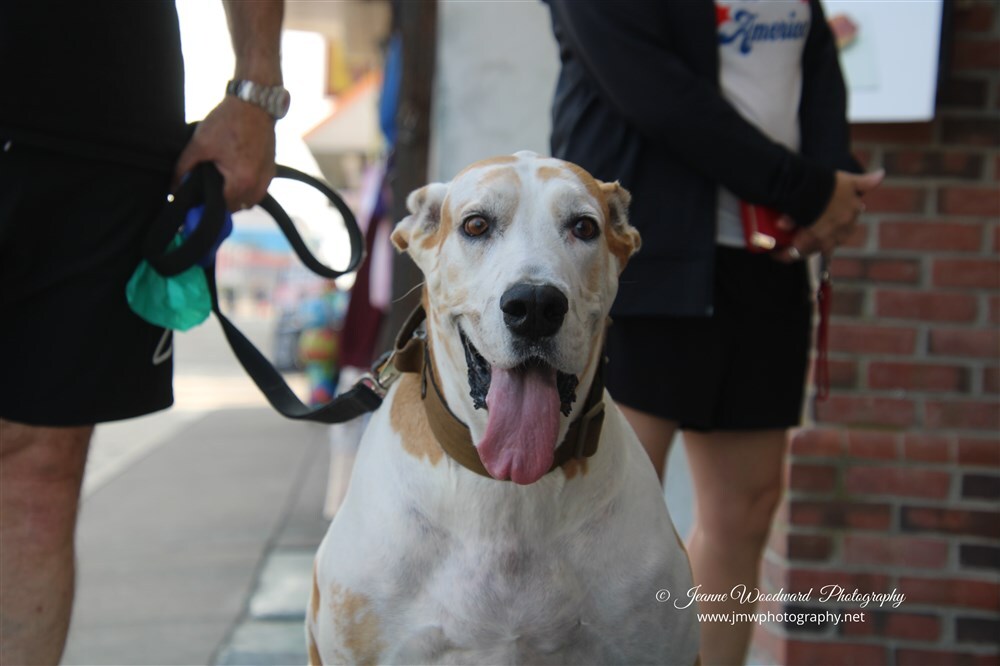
x: 760, y: 228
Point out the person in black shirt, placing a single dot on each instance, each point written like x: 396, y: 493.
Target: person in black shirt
x: 92, y: 138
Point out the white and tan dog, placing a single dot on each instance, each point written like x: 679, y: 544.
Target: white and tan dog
x: 429, y: 562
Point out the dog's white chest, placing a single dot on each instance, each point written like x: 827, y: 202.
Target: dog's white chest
x: 441, y: 566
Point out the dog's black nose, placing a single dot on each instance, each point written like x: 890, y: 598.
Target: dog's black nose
x: 533, y: 310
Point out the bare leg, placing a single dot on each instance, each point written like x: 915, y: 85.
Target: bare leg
x: 41, y: 471
x: 738, y: 483
x: 654, y: 432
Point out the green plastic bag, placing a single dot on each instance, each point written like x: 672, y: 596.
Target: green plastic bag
x: 179, y: 302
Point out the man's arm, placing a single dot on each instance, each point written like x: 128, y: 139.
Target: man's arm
x: 238, y: 136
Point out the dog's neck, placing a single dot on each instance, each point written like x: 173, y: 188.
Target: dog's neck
x: 457, y: 424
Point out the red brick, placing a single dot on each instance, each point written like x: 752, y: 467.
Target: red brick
x: 825, y: 653
x: 936, y: 164
x: 912, y: 626
x: 812, y: 478
x: 926, y: 306
x: 978, y: 556
x: 824, y: 442
x: 977, y: 343
x: 893, y: 270
x: 972, y: 17
x: 991, y: 380
x: 847, y: 268
x: 977, y: 132
x: 950, y: 521
x: 917, y: 377
x: 859, y: 236
x: 963, y: 93
x: 863, y: 339
x: 895, y: 551
x: 931, y: 236
x: 914, y: 657
x: 897, y: 481
x: 809, y: 547
x: 880, y: 270
x: 981, y: 273
x: 973, y: 451
x: 975, y: 54
x: 847, y: 302
x: 867, y: 411
x: 872, y: 445
x: 981, y: 487
x: 919, y: 133
x: 839, y: 514
x: 801, y: 580
x: 843, y: 374
x: 963, y: 415
x: 964, y: 593
x: 928, y: 448
x: 977, y: 630
x: 896, y: 199
x: 981, y: 201
x: 994, y: 314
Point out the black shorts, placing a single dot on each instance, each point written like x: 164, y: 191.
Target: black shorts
x: 71, y: 351
x: 743, y: 368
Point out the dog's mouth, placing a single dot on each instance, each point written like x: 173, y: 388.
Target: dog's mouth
x: 523, y: 403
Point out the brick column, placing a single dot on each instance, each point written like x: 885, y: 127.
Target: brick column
x: 896, y: 487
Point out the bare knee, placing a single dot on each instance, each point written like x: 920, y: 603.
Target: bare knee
x: 41, y: 470
x: 744, y: 518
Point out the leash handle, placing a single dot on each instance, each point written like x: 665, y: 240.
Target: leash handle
x: 204, y: 186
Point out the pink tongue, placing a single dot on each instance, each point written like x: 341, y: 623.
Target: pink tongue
x: 523, y: 424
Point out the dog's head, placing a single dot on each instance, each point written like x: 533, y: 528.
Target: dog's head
x: 521, y: 256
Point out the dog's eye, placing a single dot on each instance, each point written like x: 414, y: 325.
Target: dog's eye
x: 475, y: 226
x: 584, y: 228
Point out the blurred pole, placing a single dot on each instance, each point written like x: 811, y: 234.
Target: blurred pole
x: 418, y: 23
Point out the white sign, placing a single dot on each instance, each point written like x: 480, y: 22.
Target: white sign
x: 889, y: 54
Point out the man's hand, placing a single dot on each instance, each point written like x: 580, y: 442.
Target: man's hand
x: 838, y: 221
x: 239, y: 138
x: 236, y: 135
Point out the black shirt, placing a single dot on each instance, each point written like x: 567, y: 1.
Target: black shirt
x: 638, y: 101
x: 99, y: 78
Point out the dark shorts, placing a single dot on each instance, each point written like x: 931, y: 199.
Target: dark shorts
x: 71, y: 350
x: 743, y: 368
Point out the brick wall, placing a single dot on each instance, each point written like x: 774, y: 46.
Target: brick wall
x: 897, y: 486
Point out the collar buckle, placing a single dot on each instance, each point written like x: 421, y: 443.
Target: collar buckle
x: 382, y: 375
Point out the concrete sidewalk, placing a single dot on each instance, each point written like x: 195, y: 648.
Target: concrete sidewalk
x: 200, y: 552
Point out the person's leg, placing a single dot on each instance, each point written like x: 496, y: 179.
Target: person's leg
x: 738, y: 484
x: 41, y: 471
x: 654, y: 433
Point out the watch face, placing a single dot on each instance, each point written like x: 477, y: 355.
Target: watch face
x: 284, y: 100
x: 273, y: 99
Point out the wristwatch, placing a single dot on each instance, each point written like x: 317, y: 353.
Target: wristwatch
x: 273, y: 99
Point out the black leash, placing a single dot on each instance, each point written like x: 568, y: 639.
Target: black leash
x: 204, y: 187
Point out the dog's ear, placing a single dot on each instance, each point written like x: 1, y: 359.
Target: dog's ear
x: 424, y: 218
x: 623, y: 238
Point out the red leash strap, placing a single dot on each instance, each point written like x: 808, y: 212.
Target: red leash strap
x: 823, y: 298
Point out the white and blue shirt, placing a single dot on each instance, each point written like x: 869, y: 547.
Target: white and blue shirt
x: 760, y: 74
